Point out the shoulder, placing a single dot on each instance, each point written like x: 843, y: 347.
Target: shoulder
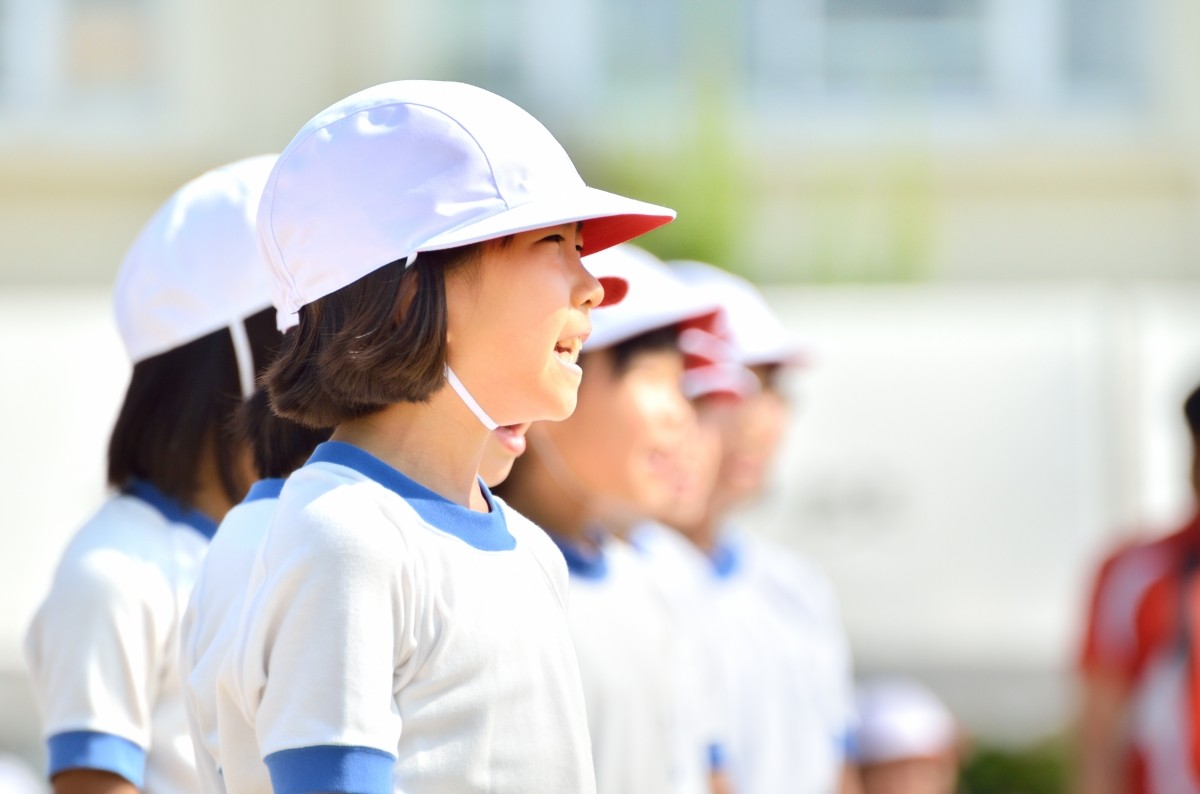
x: 533, y: 540
x: 327, y: 509
x: 127, y: 547
x: 241, y: 532
x: 528, y: 534
x: 788, y: 575
x: 1132, y: 566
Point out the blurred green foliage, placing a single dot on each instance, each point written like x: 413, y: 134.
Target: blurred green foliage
x: 817, y: 222
x: 1039, y: 769
x: 700, y: 178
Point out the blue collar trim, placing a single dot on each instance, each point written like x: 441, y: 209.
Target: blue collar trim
x: 584, y: 562
x: 726, y: 559
x: 169, y: 508
x: 265, y: 489
x: 484, y: 531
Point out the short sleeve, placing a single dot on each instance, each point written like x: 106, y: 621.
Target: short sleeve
x: 1109, y: 644
x: 95, y: 649
x: 321, y: 640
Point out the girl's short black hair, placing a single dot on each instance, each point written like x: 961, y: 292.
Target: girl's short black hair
x: 373, y: 343
x: 280, y: 446
x: 181, y: 400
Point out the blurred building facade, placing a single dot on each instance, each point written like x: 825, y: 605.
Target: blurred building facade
x: 809, y: 140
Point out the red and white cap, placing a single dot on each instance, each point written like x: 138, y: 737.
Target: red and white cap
x: 419, y: 165
x: 196, y: 266
x: 711, y: 365
x: 655, y: 299
x: 750, y: 326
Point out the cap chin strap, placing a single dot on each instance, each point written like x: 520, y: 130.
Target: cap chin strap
x: 243, y: 356
x: 462, y: 392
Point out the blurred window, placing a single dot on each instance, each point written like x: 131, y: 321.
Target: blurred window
x: 1104, y: 48
x: 59, y: 52
x: 789, y: 57
x: 988, y: 52
x: 904, y: 46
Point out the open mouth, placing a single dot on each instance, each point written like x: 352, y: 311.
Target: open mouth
x: 512, y: 438
x: 567, y: 350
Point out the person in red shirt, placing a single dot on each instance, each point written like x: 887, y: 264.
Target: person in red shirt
x: 1138, y: 730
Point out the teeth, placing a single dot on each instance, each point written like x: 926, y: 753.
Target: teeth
x: 569, y: 351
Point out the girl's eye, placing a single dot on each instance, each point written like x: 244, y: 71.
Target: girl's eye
x: 553, y: 238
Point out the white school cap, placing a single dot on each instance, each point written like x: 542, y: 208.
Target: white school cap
x: 420, y: 165
x: 900, y: 719
x: 655, y: 298
x: 751, y: 327
x: 196, y: 267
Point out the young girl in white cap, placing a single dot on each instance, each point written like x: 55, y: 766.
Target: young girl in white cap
x: 211, y: 621
x: 404, y: 630
x: 192, y: 304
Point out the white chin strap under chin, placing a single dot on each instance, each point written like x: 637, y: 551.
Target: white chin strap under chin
x: 243, y: 356
x: 462, y: 392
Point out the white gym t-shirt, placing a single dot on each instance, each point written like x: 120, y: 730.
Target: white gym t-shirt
x: 629, y: 661
x: 103, y: 648
x: 392, y: 640
x: 683, y: 574
x: 208, y: 629
x: 788, y: 670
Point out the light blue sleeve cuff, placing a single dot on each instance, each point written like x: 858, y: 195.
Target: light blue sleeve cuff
x: 95, y: 750
x: 716, y: 757
x: 849, y: 746
x: 338, y: 769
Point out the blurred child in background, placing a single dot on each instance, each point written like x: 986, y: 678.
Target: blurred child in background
x: 192, y: 303
x: 907, y: 742
x: 1140, y: 695
x: 587, y: 481
x: 783, y: 652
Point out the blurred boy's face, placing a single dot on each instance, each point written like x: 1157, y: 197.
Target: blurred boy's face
x: 937, y: 775
x: 504, y: 445
x: 698, y: 461
x: 621, y: 443
x: 751, y: 438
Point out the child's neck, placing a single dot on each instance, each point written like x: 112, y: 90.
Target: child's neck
x: 540, y: 496
x: 437, y: 444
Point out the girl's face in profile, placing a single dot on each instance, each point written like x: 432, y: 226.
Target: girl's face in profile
x: 517, y: 323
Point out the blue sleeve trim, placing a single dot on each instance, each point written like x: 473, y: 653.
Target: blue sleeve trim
x: 95, y: 750
x: 338, y: 769
x: 849, y: 746
x: 716, y: 757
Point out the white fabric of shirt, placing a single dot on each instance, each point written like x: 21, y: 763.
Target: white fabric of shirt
x: 209, y: 626
x: 367, y: 626
x: 683, y: 575
x: 103, y: 647
x: 787, y: 670
x: 627, y: 651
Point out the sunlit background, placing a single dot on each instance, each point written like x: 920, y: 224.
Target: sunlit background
x: 980, y: 217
